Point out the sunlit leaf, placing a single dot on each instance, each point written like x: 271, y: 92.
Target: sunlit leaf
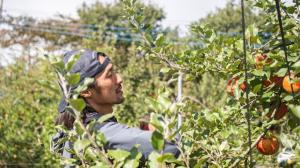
x: 118, y: 155
x: 80, y: 145
x: 77, y: 104
x: 157, y: 140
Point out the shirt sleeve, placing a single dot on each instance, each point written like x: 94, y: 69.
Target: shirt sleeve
x: 120, y: 136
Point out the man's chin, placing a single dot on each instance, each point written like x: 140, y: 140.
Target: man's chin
x: 120, y: 100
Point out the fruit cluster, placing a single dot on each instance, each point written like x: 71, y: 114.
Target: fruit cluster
x: 268, y: 145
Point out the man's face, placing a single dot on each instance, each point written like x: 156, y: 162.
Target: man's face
x: 108, y: 86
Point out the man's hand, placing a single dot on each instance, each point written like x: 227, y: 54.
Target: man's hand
x: 145, y: 125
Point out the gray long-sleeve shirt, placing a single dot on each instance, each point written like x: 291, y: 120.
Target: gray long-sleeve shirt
x: 120, y: 136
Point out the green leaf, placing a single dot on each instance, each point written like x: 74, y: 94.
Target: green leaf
x: 134, y: 152
x: 297, y: 130
x: 157, y: 141
x: 224, y: 145
x: 100, y: 165
x: 73, y: 79
x: 281, y: 72
x: 81, y: 145
x: 156, y: 123
x: 159, y: 40
x: 295, y: 110
x: 257, y: 72
x: 72, y: 61
x: 90, y: 153
x: 105, y: 117
x: 165, y: 70
x: 167, y: 157
x: 59, y: 66
x: 201, y: 162
x: 90, y: 125
x: 69, y: 161
x: 291, y: 9
x: 84, y: 85
x: 268, y: 95
x: 61, y: 128
x: 77, y: 104
x: 164, y: 101
x: 100, y: 139
x: 148, y: 38
x: 288, y: 98
x: 132, y: 163
x: 119, y: 155
x: 78, y: 128
x: 153, y: 160
x: 152, y: 103
x: 54, y: 146
x: 132, y: 2
x: 296, y: 65
x: 257, y: 88
x: 133, y: 160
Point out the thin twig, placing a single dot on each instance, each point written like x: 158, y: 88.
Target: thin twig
x: 101, y: 152
x: 186, y: 161
x: 290, y: 16
x: 194, y: 100
x: 205, y: 149
x: 63, y: 85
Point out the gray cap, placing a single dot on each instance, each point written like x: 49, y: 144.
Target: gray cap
x: 87, y: 65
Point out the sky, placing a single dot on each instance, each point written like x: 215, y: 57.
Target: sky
x: 178, y: 12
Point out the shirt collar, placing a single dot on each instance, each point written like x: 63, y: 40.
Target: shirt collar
x: 92, y: 114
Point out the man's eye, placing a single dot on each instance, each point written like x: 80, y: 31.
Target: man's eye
x: 109, y: 74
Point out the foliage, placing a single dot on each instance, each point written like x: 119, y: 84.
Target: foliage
x: 28, y: 102
x: 207, y: 133
x: 214, y: 131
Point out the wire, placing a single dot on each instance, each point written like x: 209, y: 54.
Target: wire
x: 86, y: 26
x: 80, y: 28
x: 89, y: 28
x: 92, y: 26
x: 117, y: 36
x: 70, y: 33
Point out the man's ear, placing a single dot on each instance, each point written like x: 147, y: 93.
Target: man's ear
x: 86, y: 93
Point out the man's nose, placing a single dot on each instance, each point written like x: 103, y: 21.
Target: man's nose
x: 119, y: 79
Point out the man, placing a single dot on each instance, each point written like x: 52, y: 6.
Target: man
x: 100, y: 97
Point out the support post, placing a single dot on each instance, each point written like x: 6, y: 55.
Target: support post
x: 179, y: 96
